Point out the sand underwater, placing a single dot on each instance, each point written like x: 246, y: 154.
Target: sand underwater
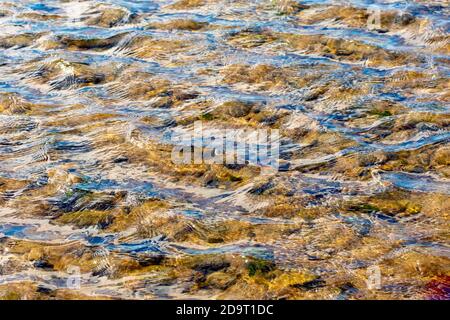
x: 92, y: 207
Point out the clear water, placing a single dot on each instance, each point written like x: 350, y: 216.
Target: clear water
x: 43, y: 148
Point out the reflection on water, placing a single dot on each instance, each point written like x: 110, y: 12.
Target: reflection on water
x: 92, y: 91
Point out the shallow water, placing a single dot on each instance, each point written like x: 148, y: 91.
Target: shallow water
x: 91, y: 91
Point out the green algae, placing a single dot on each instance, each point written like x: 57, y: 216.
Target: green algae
x: 87, y: 218
x: 259, y: 267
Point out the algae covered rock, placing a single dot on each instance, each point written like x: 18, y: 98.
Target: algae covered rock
x: 180, y: 24
x: 18, y: 41
x: 60, y: 74
x: 348, y: 50
x: 108, y: 17
x: 251, y: 38
x: 104, y: 104
x: 89, y: 44
x: 187, y: 4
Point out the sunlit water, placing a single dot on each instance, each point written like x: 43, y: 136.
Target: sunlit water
x: 72, y: 123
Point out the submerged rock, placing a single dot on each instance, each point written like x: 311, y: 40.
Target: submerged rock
x: 251, y: 38
x: 235, y: 109
x: 263, y: 76
x: 348, y: 50
x: 61, y: 74
x: 88, y: 44
x: 88, y: 178
x: 18, y: 41
x: 356, y: 17
x: 179, y: 24
x: 187, y: 4
x: 288, y: 7
x: 40, y: 16
x: 87, y: 218
x: 13, y: 104
x: 108, y: 17
x: 146, y: 47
